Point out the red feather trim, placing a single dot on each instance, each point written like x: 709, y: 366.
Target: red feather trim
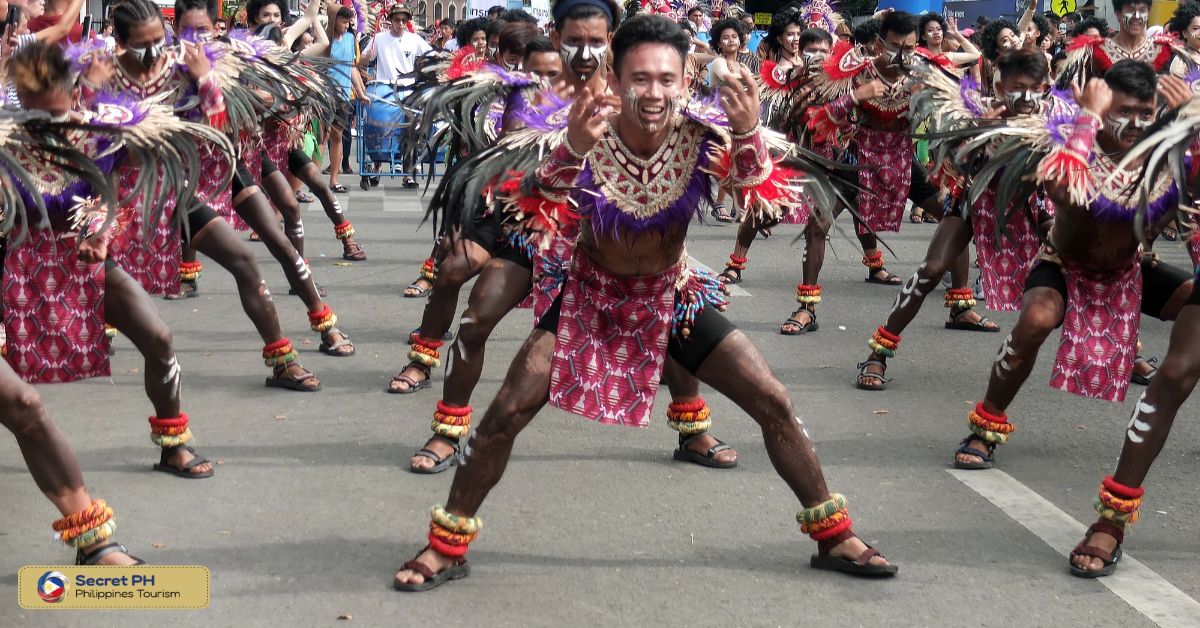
x: 822, y: 125
x: 466, y: 61
x: 939, y: 59
x: 845, y: 62
x: 777, y: 195
x: 767, y: 73
x: 536, y: 214
x: 1165, y: 53
x: 1085, y: 41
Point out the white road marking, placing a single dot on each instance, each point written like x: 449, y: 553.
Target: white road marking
x: 734, y: 291
x: 1136, y: 584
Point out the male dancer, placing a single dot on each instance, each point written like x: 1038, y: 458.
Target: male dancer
x: 583, y: 31
x: 1004, y: 266
x: 1092, y: 279
x: 60, y: 273
x: 1089, y: 56
x: 620, y: 288
x: 874, y: 91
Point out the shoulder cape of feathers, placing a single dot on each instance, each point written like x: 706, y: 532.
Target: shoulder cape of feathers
x: 845, y: 62
x: 165, y: 152
x: 463, y: 195
x: 148, y: 136
x: 463, y: 115
x: 944, y: 104
x: 248, y: 66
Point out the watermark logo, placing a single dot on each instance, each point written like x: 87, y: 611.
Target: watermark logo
x: 52, y: 587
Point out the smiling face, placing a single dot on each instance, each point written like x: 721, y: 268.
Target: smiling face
x: 789, y: 39
x: 1007, y: 40
x: 650, y: 81
x: 1127, y: 117
x: 1191, y: 35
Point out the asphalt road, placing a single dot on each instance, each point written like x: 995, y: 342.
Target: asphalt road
x: 312, y: 508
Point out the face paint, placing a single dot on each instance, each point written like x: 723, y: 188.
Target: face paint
x: 1131, y: 16
x: 634, y: 103
x: 1015, y: 100
x: 147, y: 56
x: 491, y: 51
x: 583, y: 61
x: 1117, y: 127
x: 898, y: 55
x: 813, y: 58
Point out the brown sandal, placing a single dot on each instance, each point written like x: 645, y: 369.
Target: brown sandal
x: 457, y: 570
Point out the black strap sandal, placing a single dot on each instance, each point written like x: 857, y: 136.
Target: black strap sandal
x: 706, y: 459
x: 1138, y: 378
x: 439, y: 464
x: 861, y: 567
x: 332, y: 348
x: 882, y: 381
x: 929, y: 219
x: 413, y: 385
x: 730, y: 276
x: 888, y: 279
x: 985, y: 324
x: 1170, y: 234
x: 986, y: 457
x: 338, y: 189
x: 416, y: 332
x: 186, y: 470
x: 458, y: 570
x: 801, y: 328
x: 278, y: 379
x: 1110, y: 559
x: 93, y: 557
x: 721, y: 213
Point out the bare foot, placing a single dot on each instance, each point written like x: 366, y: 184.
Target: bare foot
x: 435, y: 561
x: 294, y: 372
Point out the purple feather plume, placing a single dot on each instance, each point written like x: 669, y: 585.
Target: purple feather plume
x: 968, y: 89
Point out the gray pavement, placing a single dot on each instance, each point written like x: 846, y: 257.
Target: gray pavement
x: 312, y: 508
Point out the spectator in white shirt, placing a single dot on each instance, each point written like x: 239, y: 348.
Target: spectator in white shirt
x: 396, y: 50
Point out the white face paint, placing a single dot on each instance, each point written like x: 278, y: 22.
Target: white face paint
x: 1133, y: 17
x: 1021, y: 101
x: 582, y: 60
x: 1117, y: 127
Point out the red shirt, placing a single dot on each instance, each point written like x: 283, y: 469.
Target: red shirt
x: 43, y: 22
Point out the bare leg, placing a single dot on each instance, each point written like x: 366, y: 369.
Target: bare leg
x: 814, y: 258
x: 48, y: 454
x: 685, y: 387
x: 1154, y: 415
x: 950, y: 240
x: 500, y: 288
x: 335, y: 155
x: 463, y: 260
x: 186, y: 286
x: 738, y: 370
x: 525, y: 391
x: 219, y: 241
x: 1042, y: 310
x: 128, y: 308
x: 311, y: 176
x: 280, y: 193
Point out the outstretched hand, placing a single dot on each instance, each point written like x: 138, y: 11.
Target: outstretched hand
x: 587, y: 120
x: 739, y: 99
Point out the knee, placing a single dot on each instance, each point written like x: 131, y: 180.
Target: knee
x: 775, y: 405
x: 21, y: 410
x: 933, y: 268
x: 453, y: 272
x: 474, y: 329
x: 160, y: 342
x: 1179, y: 373
x: 1035, y: 325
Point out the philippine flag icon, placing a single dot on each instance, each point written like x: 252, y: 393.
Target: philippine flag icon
x: 52, y: 587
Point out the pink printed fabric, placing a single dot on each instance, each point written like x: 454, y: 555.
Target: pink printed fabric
x: 153, y: 262
x: 885, y: 178
x: 550, y: 269
x: 1004, y: 266
x: 277, y: 144
x: 219, y: 197
x: 1193, y: 247
x: 54, y: 311
x: 611, y: 344
x: 804, y: 211
x: 1099, y: 332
